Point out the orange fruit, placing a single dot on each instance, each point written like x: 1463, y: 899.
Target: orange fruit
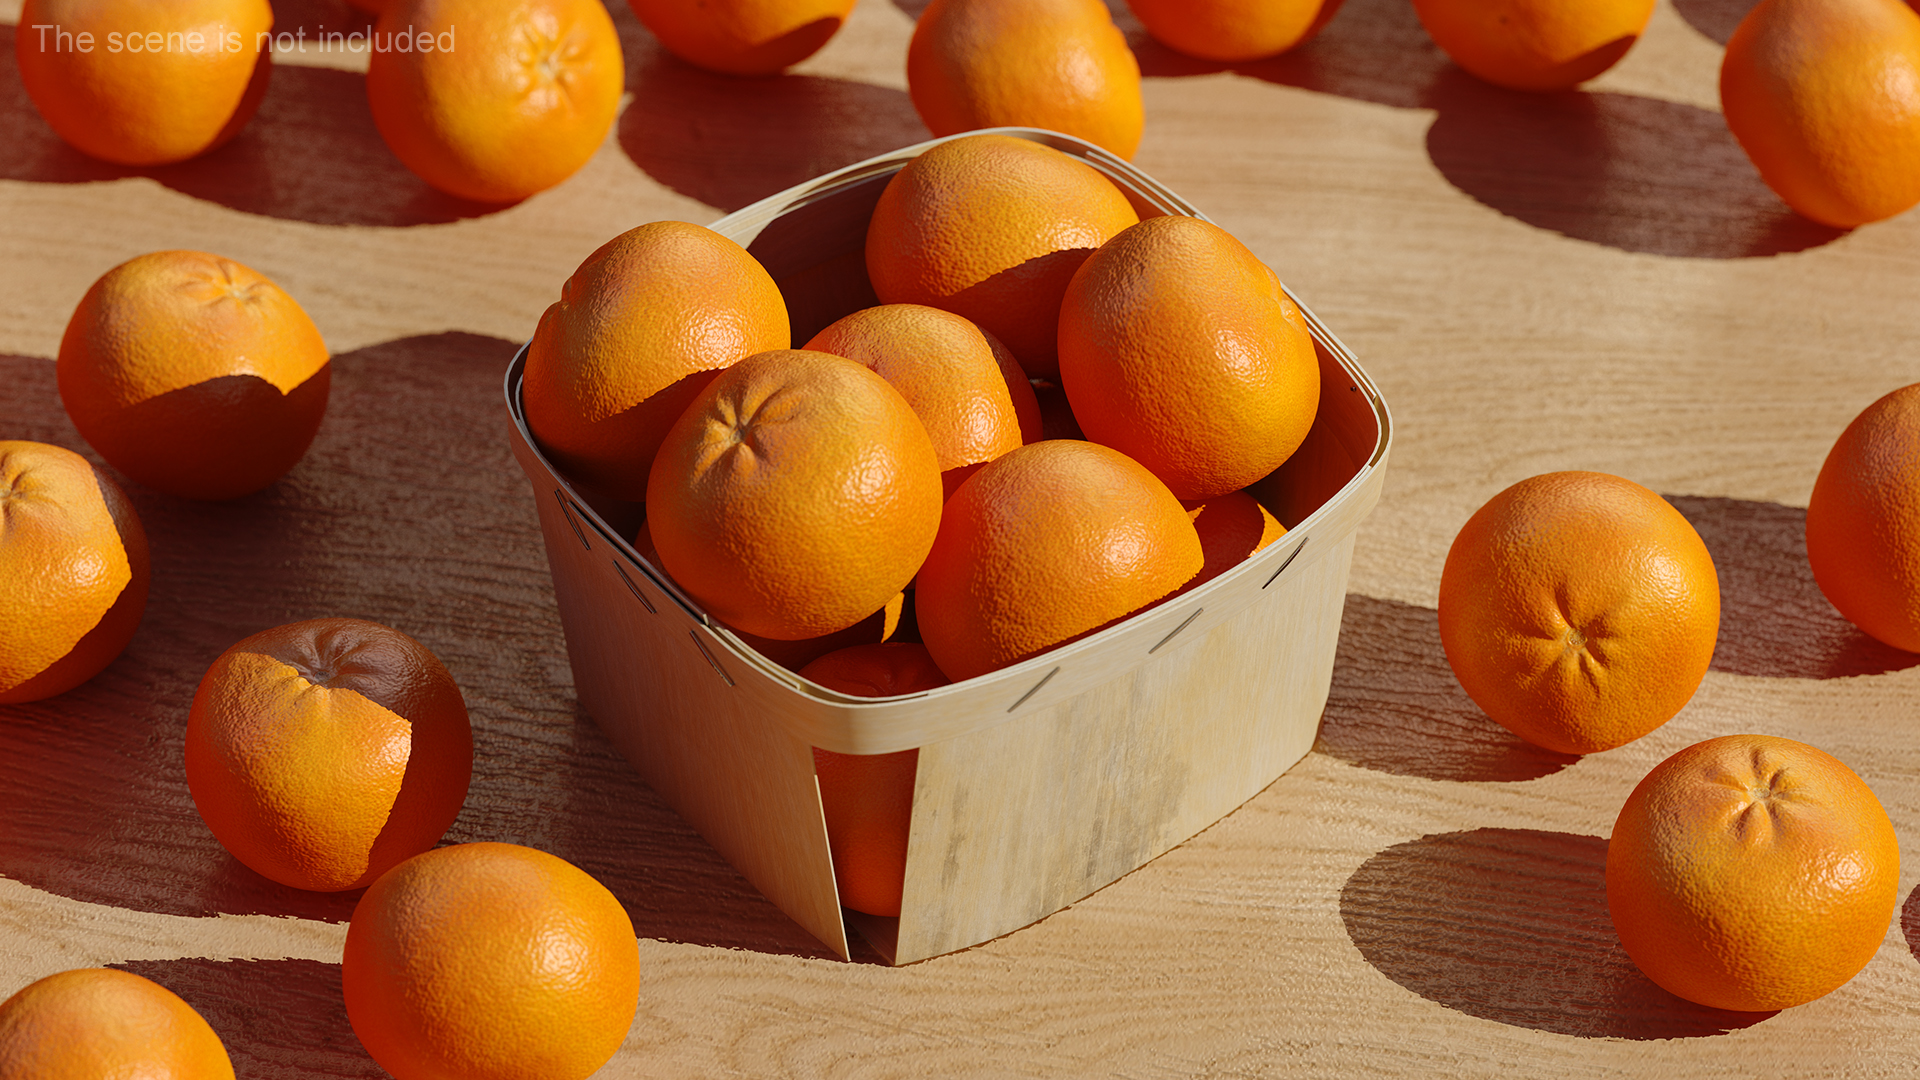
x: 992, y: 227
x: 1046, y: 544
x: 509, y: 100
x: 796, y: 654
x: 1863, y: 521
x: 194, y: 375
x: 1055, y: 64
x: 1535, y: 44
x: 490, y: 962
x: 91, y: 1023
x: 964, y: 385
x: 1579, y: 610
x: 1231, y: 528
x: 868, y: 798
x: 1179, y: 349
x: 639, y: 330
x: 323, y: 752
x: 1821, y: 95
x: 1231, y: 31
x: 75, y: 559
x: 144, y: 84
x: 743, y: 37
x: 796, y: 496
x: 1752, y: 872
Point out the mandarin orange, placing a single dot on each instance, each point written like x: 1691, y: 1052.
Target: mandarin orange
x: 992, y: 227
x: 141, y: 83
x: 796, y: 496
x: 964, y: 385
x: 1055, y: 64
x: 1179, y: 348
x: 95, y: 1023
x: 867, y: 799
x: 1233, y: 31
x: 1751, y: 872
x: 496, y: 102
x: 1539, y: 45
x: 1043, y: 545
x: 743, y: 37
x: 1579, y: 610
x: 75, y: 559
x: 1863, y: 521
x: 490, y: 962
x: 1824, y: 96
x: 194, y: 375
x: 639, y: 330
x: 323, y: 752
x: 1231, y: 528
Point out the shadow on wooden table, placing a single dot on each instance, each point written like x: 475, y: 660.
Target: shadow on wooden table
x: 1511, y: 925
x: 310, y: 154
x: 1396, y: 707
x: 730, y: 141
x: 1714, y: 18
x: 1774, y: 621
x: 408, y: 510
x: 279, y: 1018
x: 1623, y: 171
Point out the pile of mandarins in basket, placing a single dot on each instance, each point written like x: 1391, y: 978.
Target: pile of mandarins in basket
x: 798, y: 493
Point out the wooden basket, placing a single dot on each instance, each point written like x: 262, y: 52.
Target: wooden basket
x: 1038, y: 783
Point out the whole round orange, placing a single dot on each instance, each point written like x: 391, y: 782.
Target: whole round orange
x: 1231, y: 31
x: 1043, y: 545
x: 964, y: 385
x: 1055, y: 64
x: 91, y: 1023
x: 639, y: 331
x: 490, y: 962
x: 194, y: 375
x: 74, y: 557
x: 1751, y: 872
x: 144, y: 84
x: 495, y: 102
x: 1535, y: 44
x: 1863, y: 521
x: 796, y: 496
x: 992, y: 227
x: 1179, y: 349
x: 323, y: 752
x: 867, y: 799
x: 1579, y: 610
x: 743, y: 37
x: 1824, y: 96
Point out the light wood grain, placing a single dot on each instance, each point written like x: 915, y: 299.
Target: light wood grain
x: 1414, y: 898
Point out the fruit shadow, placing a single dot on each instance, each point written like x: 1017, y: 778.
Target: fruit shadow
x: 1714, y: 18
x: 1623, y: 171
x: 729, y: 140
x: 1910, y: 922
x: 409, y: 510
x: 311, y: 153
x: 280, y: 1018
x: 1395, y: 706
x: 1511, y: 925
x: 1774, y: 620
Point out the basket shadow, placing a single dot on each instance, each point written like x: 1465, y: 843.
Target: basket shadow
x: 729, y: 141
x: 311, y: 153
x: 1627, y: 172
x: 1774, y: 621
x: 279, y: 1018
x: 1714, y: 18
x: 1395, y: 706
x: 1511, y: 925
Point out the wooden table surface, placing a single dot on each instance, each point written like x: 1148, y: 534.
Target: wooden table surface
x: 1593, y: 280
